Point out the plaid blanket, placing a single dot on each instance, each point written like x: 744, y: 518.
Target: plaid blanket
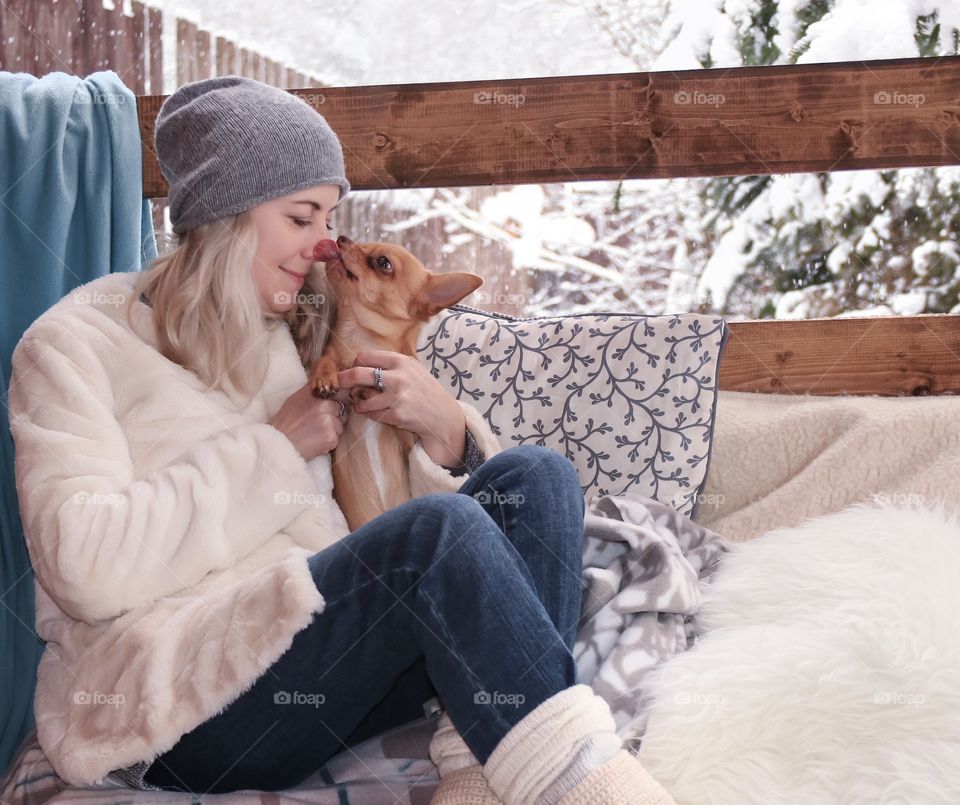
x: 645, y: 565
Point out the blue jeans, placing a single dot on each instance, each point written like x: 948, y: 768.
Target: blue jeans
x: 472, y: 597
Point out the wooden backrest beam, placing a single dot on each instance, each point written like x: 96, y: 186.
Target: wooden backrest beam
x: 744, y: 121
x: 897, y: 356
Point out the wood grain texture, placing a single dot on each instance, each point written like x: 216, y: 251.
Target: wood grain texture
x: 743, y: 121
x: 886, y: 355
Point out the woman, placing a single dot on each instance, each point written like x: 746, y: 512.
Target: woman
x: 211, y: 625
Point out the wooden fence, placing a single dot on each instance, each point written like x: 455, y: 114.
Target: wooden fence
x: 201, y: 55
x: 83, y: 36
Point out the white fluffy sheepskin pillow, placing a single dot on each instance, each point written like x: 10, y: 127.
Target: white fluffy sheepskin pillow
x: 829, y: 671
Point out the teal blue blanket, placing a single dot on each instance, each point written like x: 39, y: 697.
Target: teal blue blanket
x: 71, y: 210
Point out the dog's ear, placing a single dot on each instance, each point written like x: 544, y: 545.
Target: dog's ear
x: 443, y: 290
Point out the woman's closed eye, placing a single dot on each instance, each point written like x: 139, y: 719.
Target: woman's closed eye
x: 304, y: 222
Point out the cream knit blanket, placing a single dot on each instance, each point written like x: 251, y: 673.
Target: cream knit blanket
x: 778, y: 459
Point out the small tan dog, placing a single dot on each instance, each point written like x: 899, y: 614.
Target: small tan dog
x: 384, y: 296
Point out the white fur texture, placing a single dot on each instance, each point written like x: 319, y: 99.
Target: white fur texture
x: 830, y: 671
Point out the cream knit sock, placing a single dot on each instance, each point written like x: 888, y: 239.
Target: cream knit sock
x: 553, y: 748
x: 448, y: 750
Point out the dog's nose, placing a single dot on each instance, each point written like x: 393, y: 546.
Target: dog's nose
x: 343, y: 240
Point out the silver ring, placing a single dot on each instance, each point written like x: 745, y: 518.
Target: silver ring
x: 343, y: 408
x: 378, y: 379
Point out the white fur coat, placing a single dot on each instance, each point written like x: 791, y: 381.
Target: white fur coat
x: 168, y: 529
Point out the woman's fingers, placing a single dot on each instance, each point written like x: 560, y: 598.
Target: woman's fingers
x: 384, y: 358
x: 358, y: 376
x: 361, y: 373
x: 375, y: 402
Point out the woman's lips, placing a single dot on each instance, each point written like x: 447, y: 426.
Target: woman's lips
x: 298, y: 277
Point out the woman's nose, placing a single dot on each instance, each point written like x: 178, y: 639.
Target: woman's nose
x: 325, y: 250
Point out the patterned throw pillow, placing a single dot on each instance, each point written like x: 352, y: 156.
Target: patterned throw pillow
x: 629, y: 399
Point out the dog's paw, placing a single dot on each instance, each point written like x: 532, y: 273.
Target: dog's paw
x: 323, y: 378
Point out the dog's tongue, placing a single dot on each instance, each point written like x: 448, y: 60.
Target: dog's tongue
x: 326, y: 250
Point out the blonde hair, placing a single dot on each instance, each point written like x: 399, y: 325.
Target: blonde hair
x: 206, y: 310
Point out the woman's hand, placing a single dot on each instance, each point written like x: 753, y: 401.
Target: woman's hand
x: 313, y: 425
x: 412, y: 399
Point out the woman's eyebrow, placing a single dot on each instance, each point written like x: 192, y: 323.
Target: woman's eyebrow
x: 311, y: 203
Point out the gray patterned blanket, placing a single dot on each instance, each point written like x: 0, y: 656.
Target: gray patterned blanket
x: 645, y: 565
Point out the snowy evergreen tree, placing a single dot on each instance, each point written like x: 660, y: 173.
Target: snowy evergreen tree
x: 806, y: 245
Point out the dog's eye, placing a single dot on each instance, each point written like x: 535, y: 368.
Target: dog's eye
x: 382, y: 263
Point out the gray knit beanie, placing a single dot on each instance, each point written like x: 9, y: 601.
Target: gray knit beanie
x: 227, y: 144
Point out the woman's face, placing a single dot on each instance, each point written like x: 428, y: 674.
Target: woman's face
x: 287, y: 230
